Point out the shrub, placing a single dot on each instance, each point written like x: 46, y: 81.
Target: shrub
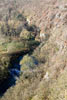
x: 25, y: 34
x: 8, y: 30
x: 28, y: 62
x: 21, y: 17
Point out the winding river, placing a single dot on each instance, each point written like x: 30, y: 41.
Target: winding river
x: 14, y: 74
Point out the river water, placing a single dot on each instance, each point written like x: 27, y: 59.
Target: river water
x: 14, y: 74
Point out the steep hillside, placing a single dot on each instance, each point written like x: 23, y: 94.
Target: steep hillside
x: 43, y: 72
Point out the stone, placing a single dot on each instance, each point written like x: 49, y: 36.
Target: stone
x: 63, y: 7
x: 46, y: 76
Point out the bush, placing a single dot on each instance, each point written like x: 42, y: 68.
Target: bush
x: 21, y: 17
x: 25, y: 34
x: 28, y: 62
x: 8, y: 30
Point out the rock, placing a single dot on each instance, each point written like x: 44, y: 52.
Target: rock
x: 63, y: 7
x: 29, y: 18
x: 44, y: 36
x: 46, y: 76
x: 58, y: 15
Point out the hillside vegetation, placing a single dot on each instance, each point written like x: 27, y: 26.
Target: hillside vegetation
x: 37, y: 31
